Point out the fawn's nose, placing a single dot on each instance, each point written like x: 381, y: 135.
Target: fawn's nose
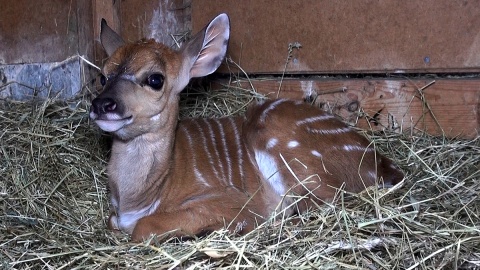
x: 103, y: 105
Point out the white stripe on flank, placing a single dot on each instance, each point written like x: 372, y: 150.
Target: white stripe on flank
x: 225, y: 152
x: 217, y: 153
x: 272, y: 106
x: 205, y: 149
x: 329, y: 131
x: 349, y: 147
x: 198, y: 174
x: 269, y: 169
x: 293, y: 144
x: 238, y: 146
x: 314, y: 119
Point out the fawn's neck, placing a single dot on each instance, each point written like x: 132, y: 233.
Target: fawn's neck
x: 138, y: 167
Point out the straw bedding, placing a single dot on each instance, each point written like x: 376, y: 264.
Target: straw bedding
x: 54, y: 204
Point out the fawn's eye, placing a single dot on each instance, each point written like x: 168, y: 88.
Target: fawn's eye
x: 103, y: 80
x: 155, y: 81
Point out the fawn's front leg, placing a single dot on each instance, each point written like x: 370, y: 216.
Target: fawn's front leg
x: 191, y: 222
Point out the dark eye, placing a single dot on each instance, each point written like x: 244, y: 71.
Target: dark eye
x: 155, y: 81
x: 103, y: 80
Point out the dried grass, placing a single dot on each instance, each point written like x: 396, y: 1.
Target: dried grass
x: 54, y: 200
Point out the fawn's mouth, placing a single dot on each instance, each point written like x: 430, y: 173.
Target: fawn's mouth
x: 112, y: 123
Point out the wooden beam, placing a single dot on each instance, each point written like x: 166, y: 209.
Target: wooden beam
x: 435, y: 106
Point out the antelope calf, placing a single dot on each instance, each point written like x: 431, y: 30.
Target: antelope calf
x: 193, y: 176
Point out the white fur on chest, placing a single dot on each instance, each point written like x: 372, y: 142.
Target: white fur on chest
x: 128, y: 172
x: 126, y: 221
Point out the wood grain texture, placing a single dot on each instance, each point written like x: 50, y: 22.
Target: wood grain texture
x: 349, y: 36
x: 154, y: 19
x: 43, y: 31
x: 435, y: 106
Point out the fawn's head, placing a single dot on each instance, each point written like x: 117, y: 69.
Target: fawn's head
x: 142, y: 80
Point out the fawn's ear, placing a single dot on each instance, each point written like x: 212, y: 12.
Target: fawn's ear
x: 205, y: 51
x: 110, y: 40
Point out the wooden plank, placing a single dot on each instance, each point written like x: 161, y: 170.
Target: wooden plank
x: 85, y: 32
x: 349, y: 36
x: 40, y: 42
x: 38, y: 31
x: 435, y: 106
x: 154, y: 19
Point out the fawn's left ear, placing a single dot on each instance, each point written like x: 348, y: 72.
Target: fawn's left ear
x: 110, y: 40
x: 205, y: 51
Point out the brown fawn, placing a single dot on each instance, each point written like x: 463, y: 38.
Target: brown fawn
x: 194, y: 176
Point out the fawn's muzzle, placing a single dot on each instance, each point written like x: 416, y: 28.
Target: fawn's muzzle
x: 102, y: 106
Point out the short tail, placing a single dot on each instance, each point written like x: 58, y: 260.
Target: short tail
x: 390, y: 173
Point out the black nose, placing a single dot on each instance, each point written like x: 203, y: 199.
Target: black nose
x: 103, y: 105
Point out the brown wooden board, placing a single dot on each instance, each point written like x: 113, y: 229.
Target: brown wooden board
x: 436, y: 106
x: 44, y: 31
x: 42, y: 47
x: 161, y: 20
x: 349, y: 36
x: 165, y: 21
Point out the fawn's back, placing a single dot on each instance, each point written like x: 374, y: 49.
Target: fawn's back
x: 198, y: 175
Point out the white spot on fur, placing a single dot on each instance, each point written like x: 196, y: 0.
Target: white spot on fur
x: 372, y: 174
x: 293, y: 144
x: 269, y: 169
x: 127, y: 220
x: 272, y: 142
x: 316, y: 153
x: 155, y: 117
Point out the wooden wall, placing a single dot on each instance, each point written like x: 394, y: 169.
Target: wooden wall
x: 40, y: 42
x: 44, y: 31
x: 44, y: 44
x: 350, y: 36
x: 402, y: 65
x: 164, y: 20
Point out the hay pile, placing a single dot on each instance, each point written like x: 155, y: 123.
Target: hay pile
x: 54, y: 204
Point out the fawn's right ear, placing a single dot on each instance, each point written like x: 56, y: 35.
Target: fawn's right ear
x: 110, y: 40
x: 205, y: 51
